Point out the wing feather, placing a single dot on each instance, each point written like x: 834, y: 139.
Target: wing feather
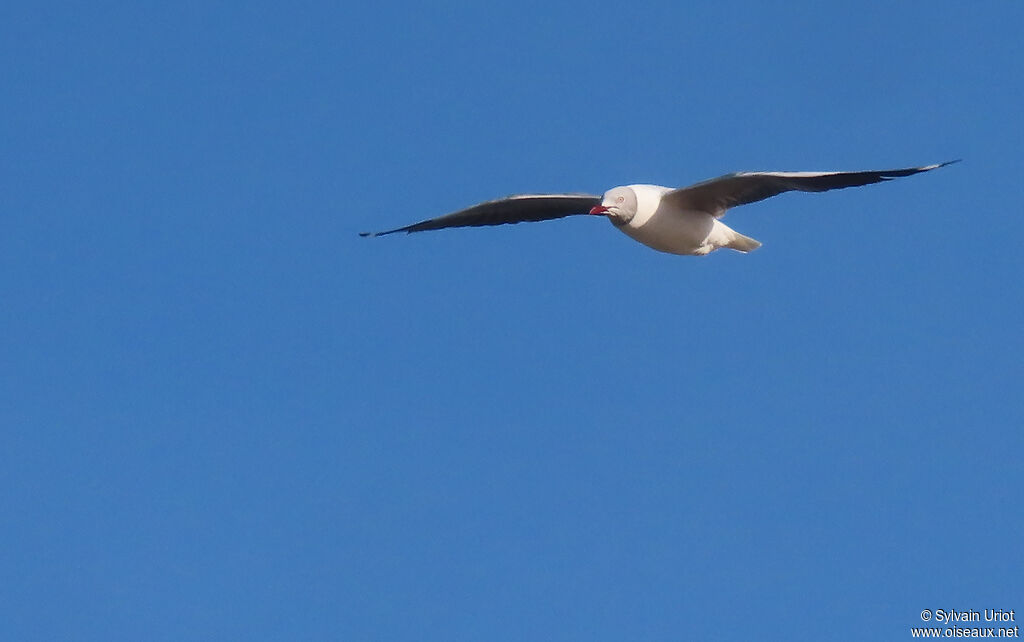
x: 513, y: 209
x: 719, y: 194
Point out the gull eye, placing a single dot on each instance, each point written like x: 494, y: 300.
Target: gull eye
x: 619, y: 199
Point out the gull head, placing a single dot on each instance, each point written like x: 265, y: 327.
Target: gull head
x: 618, y: 204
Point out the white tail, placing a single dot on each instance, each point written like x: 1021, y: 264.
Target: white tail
x: 742, y: 243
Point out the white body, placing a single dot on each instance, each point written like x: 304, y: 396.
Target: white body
x: 659, y: 225
x: 677, y: 221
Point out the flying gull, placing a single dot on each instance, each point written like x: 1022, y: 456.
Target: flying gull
x: 677, y: 221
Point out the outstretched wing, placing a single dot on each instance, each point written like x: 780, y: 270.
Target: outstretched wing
x: 514, y: 209
x: 719, y: 194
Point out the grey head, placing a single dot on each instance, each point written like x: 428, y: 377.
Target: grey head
x: 618, y: 204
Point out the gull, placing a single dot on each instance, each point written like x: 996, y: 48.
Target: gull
x: 675, y: 220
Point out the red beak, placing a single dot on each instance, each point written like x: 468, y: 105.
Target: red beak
x: 598, y: 209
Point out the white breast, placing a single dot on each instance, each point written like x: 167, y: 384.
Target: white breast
x: 664, y: 228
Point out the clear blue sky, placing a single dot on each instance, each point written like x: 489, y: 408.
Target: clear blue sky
x: 226, y: 416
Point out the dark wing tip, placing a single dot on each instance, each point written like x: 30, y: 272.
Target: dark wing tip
x: 938, y: 165
x: 910, y: 171
x: 405, y: 229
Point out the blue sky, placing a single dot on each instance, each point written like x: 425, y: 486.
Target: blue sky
x: 226, y: 416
